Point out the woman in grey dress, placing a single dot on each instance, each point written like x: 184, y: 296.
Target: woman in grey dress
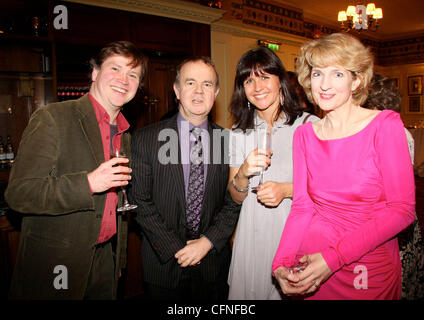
x: 263, y: 99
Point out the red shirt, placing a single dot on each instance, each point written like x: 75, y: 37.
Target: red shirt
x: 108, y: 227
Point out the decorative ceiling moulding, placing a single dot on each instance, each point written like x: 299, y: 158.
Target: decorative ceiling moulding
x: 316, y: 30
x: 165, y: 8
x: 403, y: 51
x: 265, y: 14
x: 243, y: 31
x: 273, y: 16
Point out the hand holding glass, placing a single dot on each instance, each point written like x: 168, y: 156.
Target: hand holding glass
x: 127, y: 206
x: 298, y: 266
x: 263, y: 142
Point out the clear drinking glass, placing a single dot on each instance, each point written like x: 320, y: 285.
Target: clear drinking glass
x: 127, y: 206
x: 298, y: 266
x: 263, y: 141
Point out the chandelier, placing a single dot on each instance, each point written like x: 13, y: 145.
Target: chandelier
x: 360, y: 17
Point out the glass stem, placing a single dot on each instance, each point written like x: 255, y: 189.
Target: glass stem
x: 124, y: 192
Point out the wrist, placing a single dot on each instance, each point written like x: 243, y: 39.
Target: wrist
x: 287, y: 188
x: 207, y: 242
x: 238, y: 189
x: 89, y: 183
x: 241, y: 172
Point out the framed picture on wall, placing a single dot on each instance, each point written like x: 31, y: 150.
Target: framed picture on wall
x: 414, y: 104
x: 415, y: 85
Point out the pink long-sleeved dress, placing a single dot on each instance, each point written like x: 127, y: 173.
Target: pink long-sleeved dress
x: 351, y: 197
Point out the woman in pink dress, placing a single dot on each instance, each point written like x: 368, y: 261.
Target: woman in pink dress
x: 353, y: 183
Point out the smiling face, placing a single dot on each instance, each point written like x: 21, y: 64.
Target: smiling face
x: 196, y: 91
x: 332, y: 87
x: 263, y: 90
x: 115, y: 83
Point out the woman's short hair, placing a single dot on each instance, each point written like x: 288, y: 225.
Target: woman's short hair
x: 258, y: 61
x: 122, y: 48
x: 384, y: 94
x: 336, y: 49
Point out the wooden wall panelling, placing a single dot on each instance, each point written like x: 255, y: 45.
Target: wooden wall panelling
x: 93, y: 25
x: 161, y: 34
x: 161, y: 79
x: 19, y: 58
x: 201, y: 40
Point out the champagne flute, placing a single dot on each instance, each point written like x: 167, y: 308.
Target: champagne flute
x: 127, y: 206
x: 263, y: 142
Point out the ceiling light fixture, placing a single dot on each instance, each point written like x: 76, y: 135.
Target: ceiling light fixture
x: 360, y: 17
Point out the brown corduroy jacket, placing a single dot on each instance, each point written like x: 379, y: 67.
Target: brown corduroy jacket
x: 48, y: 184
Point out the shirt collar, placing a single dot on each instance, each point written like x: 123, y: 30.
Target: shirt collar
x: 260, y: 123
x: 180, y: 119
x: 102, y: 115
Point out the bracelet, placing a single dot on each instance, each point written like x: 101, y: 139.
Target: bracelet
x: 237, y: 188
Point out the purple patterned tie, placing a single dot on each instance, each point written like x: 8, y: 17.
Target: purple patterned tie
x: 195, y: 186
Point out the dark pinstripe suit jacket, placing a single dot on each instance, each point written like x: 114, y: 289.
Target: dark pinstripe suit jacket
x: 158, y: 189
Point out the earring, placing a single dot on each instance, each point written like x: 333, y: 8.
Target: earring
x: 248, y: 105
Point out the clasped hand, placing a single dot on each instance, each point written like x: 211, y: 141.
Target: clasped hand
x: 193, y: 252
x: 307, y: 281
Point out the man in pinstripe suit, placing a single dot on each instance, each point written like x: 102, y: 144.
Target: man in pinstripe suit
x: 179, y: 264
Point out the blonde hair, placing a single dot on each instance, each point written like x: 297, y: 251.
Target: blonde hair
x: 337, y: 49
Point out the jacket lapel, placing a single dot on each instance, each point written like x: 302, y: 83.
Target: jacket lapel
x: 211, y: 167
x: 90, y: 128
x: 177, y: 169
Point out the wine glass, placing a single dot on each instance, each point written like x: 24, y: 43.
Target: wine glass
x: 263, y: 141
x: 127, y: 206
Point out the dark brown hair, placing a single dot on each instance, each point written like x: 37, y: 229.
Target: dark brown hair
x: 259, y: 61
x: 122, y: 48
x: 383, y: 94
x: 303, y: 99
